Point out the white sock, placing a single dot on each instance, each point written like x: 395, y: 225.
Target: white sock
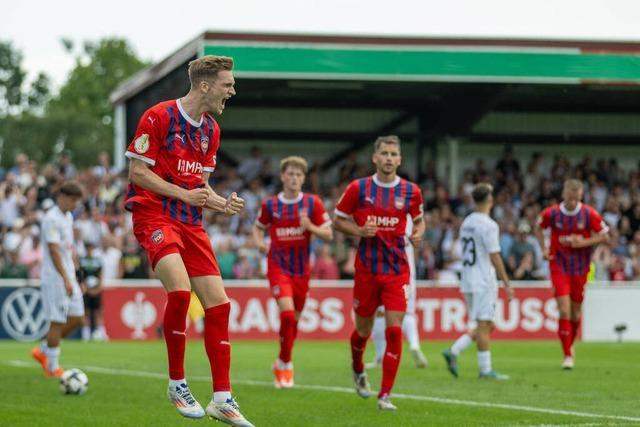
x: 53, y: 354
x: 484, y: 361
x: 461, y: 344
x: 175, y: 383
x: 43, y: 346
x: 379, y: 340
x: 410, y: 331
x: 284, y: 365
x: 86, y: 333
x: 221, y: 396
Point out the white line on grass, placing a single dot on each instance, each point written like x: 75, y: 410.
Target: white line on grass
x: 446, y: 401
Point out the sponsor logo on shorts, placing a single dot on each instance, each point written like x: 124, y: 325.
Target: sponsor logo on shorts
x: 157, y: 237
x: 356, y: 303
x: 275, y: 290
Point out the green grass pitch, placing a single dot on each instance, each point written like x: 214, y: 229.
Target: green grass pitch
x: 127, y: 387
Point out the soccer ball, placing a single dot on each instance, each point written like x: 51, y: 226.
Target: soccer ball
x: 74, y: 381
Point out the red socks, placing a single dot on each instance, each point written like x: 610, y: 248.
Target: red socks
x: 175, y: 326
x: 565, y: 332
x: 575, y: 325
x: 288, y: 330
x: 216, y: 342
x: 391, y: 359
x: 358, y: 345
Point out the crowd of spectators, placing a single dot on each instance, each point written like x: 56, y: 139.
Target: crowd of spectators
x: 28, y: 189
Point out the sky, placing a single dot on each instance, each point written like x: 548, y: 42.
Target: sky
x: 157, y: 28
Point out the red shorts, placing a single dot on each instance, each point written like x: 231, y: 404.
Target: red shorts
x: 160, y: 235
x: 565, y: 284
x: 373, y: 290
x: 283, y: 285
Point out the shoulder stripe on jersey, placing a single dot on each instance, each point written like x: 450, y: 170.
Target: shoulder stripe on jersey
x: 407, y: 200
x: 170, y: 138
x: 270, y: 209
x: 362, y: 185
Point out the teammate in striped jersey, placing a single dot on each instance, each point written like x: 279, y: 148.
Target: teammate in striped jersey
x: 575, y: 228
x: 172, y: 155
x: 292, y: 217
x: 375, y: 209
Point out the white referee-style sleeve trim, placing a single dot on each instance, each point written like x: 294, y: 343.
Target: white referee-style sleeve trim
x: 342, y: 214
x: 208, y: 169
x: 604, y: 230
x: 326, y: 224
x: 139, y: 157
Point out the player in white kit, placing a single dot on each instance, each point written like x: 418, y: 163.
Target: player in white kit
x: 481, y: 258
x: 61, y: 295
x: 409, y: 322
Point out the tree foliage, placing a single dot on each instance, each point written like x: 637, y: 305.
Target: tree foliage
x: 79, y: 118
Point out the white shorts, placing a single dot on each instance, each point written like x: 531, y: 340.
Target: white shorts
x: 57, y: 306
x: 411, y: 297
x: 481, y: 305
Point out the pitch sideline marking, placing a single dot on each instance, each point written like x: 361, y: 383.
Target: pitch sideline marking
x: 446, y: 401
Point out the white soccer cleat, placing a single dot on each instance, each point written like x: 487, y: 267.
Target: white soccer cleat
x: 361, y: 382
x: 180, y: 396
x: 419, y: 358
x: 568, y: 363
x: 228, y: 412
x: 384, y: 404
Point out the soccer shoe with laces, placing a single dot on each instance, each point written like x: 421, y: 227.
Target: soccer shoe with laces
x: 40, y: 357
x: 361, y: 383
x: 180, y: 396
x: 278, y: 375
x: 568, y: 363
x: 419, y: 358
x: 228, y: 412
x: 287, y: 378
x: 384, y: 404
x: 452, y: 362
x: 493, y: 375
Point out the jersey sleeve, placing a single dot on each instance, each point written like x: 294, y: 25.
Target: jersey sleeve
x: 598, y: 225
x: 320, y: 216
x: 491, y: 239
x: 264, y: 218
x: 348, y: 202
x: 416, y: 209
x: 147, y: 140
x: 544, y: 219
x: 209, y: 164
x: 51, y: 231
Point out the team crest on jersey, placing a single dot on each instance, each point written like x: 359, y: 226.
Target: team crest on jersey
x: 204, y: 144
x: 141, y: 144
x: 398, y: 202
x: 580, y: 225
x: 157, y: 237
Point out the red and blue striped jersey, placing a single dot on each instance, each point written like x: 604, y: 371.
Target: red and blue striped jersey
x: 179, y: 150
x: 388, y: 205
x: 583, y: 220
x: 289, y: 250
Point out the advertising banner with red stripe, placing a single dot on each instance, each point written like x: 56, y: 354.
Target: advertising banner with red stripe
x: 136, y: 313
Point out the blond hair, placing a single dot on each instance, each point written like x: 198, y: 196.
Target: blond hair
x: 387, y: 139
x: 207, y: 67
x: 573, y: 185
x: 294, y: 161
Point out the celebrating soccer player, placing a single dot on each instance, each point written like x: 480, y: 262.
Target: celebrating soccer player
x: 481, y: 258
x: 172, y: 155
x: 62, y: 302
x: 575, y: 228
x: 375, y: 209
x: 292, y: 218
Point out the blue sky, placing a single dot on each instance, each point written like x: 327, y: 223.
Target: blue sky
x: 157, y: 28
